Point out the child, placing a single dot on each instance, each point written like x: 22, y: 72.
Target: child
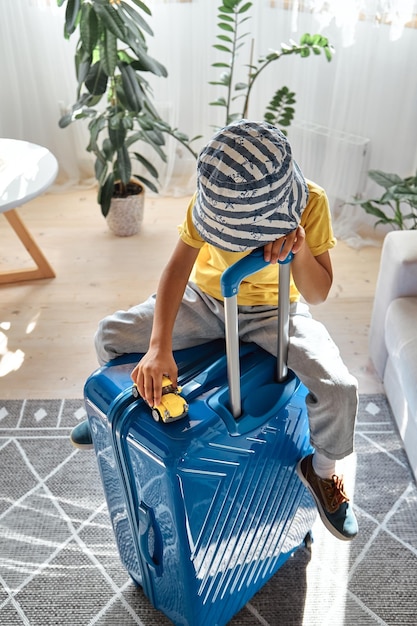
x: 250, y: 193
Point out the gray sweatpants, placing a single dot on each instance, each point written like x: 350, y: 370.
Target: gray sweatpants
x: 313, y: 356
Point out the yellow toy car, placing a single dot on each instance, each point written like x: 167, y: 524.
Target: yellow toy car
x: 173, y: 406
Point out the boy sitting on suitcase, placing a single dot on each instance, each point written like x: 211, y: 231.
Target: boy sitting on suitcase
x: 250, y: 193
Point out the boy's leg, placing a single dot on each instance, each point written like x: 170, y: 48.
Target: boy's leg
x: 315, y: 359
x: 200, y: 319
x: 331, y: 404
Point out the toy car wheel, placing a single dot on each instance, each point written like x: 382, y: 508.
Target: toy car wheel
x: 135, y: 392
x: 156, y: 415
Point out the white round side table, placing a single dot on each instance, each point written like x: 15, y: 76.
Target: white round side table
x: 26, y: 171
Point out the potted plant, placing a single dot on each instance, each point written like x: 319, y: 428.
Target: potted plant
x: 397, y: 205
x: 111, y: 59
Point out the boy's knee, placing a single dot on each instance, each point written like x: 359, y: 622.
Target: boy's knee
x: 346, y: 391
x: 100, y: 342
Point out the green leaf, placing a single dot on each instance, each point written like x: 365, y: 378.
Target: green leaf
x: 151, y: 169
x: 230, y: 4
x: 318, y: 40
x: 222, y: 48
x: 371, y: 209
x: 407, y: 198
x: 135, y: 19
x: 148, y: 183
x: 221, y: 102
x: 71, y: 16
x: 100, y: 169
x: 95, y: 127
x: 245, y: 8
x: 111, y: 20
x: 328, y: 53
x: 108, y: 150
x: 233, y: 117
x: 88, y: 28
x: 225, y: 38
x: 227, y: 27
x: 96, y: 81
x: 306, y: 39
x: 147, y: 63
x: 133, y: 93
x: 226, y: 18
x: 109, y: 53
x: 65, y: 120
x: 83, y: 62
x: 117, y: 136
x: 384, y: 179
x: 142, y: 6
x: 123, y: 164
x: 105, y: 194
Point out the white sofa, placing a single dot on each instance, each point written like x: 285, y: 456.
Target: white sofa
x: 393, y: 333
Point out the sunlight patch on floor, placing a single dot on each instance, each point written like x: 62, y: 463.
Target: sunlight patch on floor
x: 9, y: 361
x: 327, y: 573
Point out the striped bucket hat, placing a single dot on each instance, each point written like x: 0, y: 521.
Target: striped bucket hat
x: 250, y: 191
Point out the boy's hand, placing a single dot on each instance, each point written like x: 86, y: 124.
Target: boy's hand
x: 279, y: 249
x: 148, y: 373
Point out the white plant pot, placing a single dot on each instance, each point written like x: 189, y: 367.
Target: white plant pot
x: 126, y: 215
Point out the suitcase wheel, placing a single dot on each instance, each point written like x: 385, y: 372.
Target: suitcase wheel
x: 308, y: 540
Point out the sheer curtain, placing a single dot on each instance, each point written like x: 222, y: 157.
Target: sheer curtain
x: 37, y: 79
x: 368, y: 91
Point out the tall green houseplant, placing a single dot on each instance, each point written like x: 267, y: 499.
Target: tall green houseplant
x: 232, y: 15
x: 111, y: 62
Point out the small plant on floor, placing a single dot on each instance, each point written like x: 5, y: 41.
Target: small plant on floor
x: 397, y: 205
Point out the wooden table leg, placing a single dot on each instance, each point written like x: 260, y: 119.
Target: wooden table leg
x: 42, y: 269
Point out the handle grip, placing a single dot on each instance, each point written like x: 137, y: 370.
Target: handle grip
x: 253, y: 262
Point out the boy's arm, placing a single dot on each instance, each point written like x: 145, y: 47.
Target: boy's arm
x: 159, y: 359
x: 313, y: 275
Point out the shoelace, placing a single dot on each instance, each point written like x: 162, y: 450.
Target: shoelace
x: 335, y: 492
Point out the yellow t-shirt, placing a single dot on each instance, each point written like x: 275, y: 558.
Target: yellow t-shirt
x: 260, y: 288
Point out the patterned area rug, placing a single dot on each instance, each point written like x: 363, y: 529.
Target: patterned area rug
x: 59, y: 563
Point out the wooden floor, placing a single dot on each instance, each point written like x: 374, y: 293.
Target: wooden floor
x: 46, y: 326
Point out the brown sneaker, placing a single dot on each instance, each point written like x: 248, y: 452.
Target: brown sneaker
x: 332, y: 502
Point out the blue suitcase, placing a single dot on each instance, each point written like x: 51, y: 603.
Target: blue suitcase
x: 206, y: 509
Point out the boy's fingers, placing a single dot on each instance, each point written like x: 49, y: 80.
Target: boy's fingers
x: 148, y: 380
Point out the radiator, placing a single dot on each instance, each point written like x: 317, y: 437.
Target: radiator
x: 336, y: 160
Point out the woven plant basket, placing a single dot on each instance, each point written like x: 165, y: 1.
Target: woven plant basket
x: 126, y: 215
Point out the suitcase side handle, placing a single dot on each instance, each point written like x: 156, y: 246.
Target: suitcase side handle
x: 150, y: 540
x: 230, y: 282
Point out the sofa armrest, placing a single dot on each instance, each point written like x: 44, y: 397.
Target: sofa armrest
x: 397, y: 277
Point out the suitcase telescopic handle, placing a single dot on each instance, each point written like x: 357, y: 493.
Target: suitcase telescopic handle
x: 230, y: 282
